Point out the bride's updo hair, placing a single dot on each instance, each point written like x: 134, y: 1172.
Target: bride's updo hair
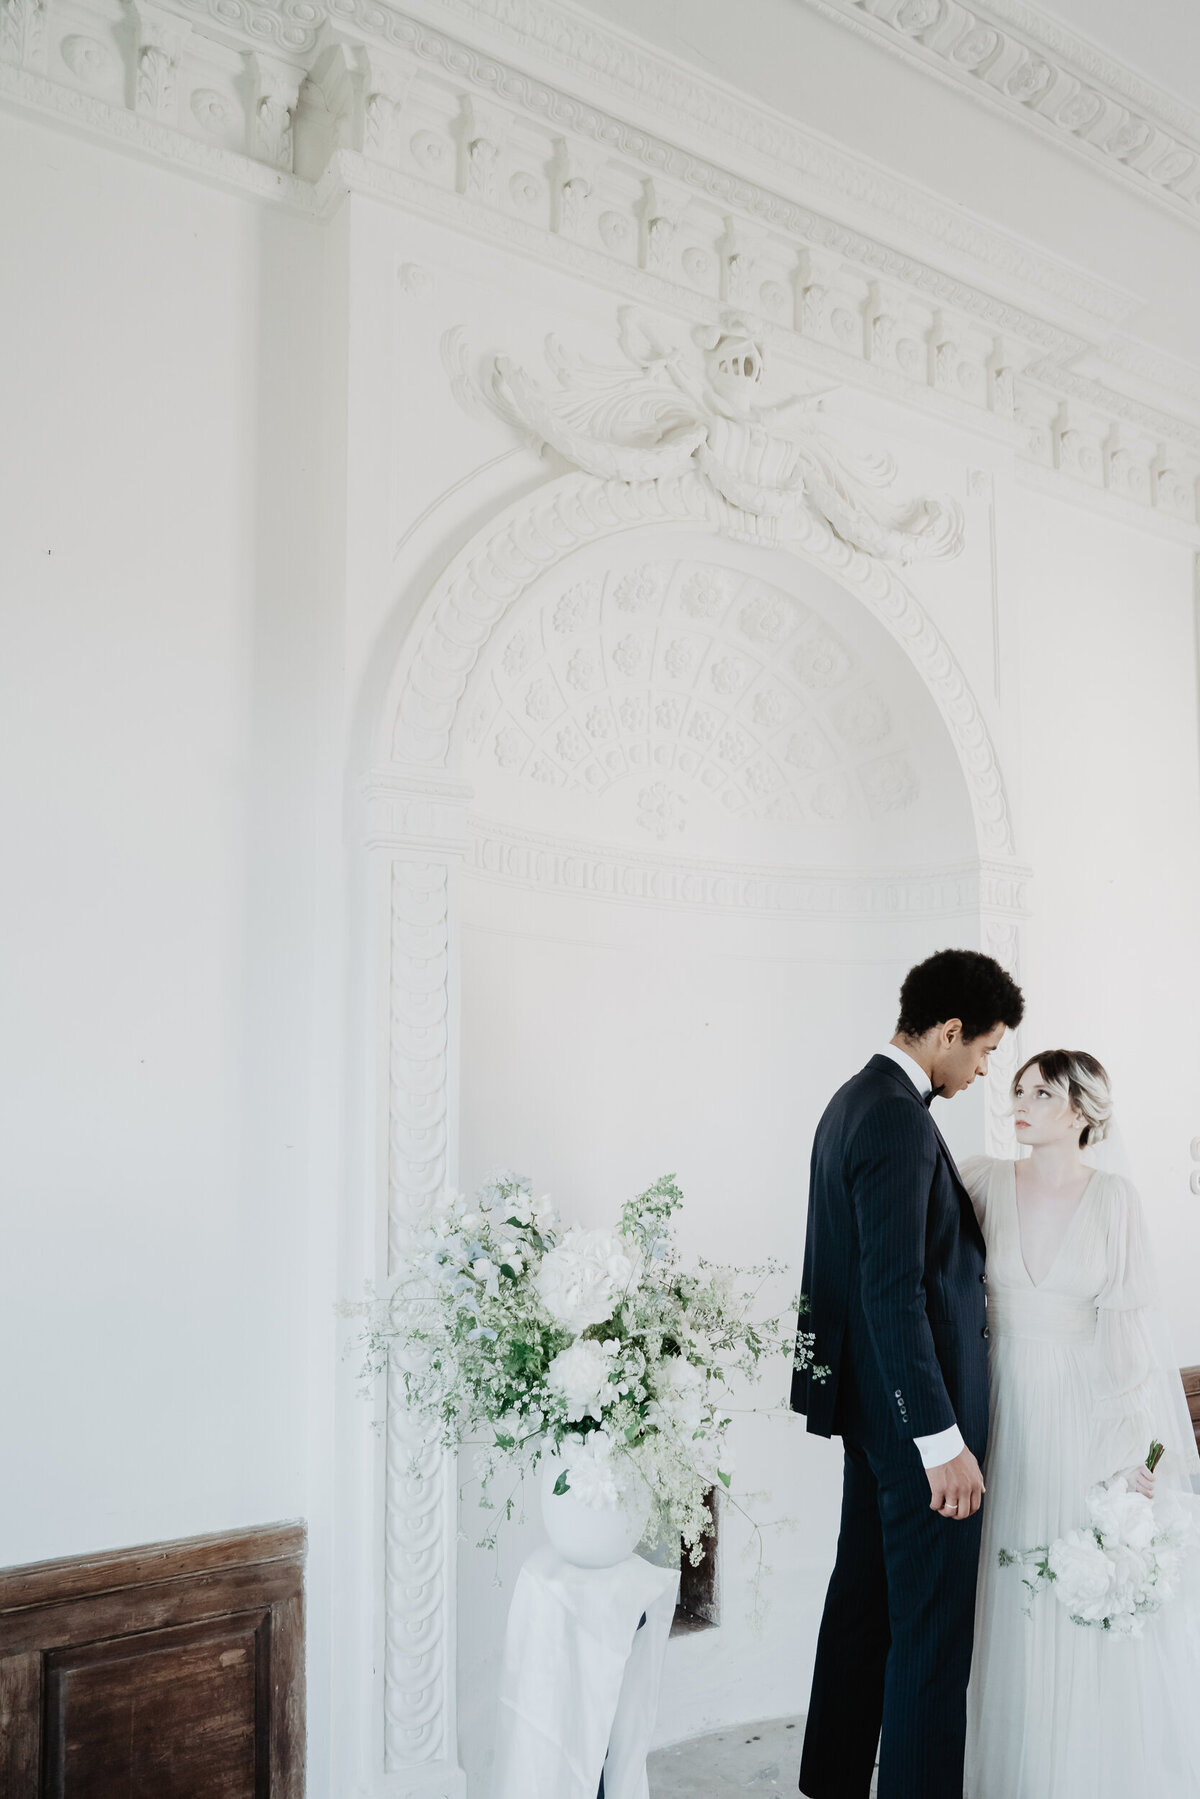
x: 1081, y: 1080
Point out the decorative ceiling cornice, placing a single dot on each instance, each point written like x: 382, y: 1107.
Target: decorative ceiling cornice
x: 679, y: 194
x: 1030, y: 68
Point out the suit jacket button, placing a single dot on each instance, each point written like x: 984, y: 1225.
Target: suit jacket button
x: 985, y: 1332
x: 983, y: 1280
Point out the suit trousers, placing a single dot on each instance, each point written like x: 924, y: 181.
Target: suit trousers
x: 894, y: 1649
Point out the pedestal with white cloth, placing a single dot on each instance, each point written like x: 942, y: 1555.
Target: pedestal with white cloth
x: 579, y: 1680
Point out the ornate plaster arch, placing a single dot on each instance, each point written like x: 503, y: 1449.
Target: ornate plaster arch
x: 417, y: 825
x: 490, y: 575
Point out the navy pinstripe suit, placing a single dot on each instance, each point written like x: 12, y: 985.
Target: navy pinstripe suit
x: 894, y: 1274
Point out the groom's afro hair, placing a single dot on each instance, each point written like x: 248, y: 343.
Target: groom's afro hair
x: 959, y: 983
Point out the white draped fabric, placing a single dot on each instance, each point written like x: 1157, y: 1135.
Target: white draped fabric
x: 579, y: 1680
x: 1081, y: 1381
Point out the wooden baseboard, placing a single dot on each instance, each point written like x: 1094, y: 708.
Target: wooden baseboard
x: 168, y: 1671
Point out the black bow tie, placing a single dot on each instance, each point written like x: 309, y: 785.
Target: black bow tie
x: 929, y: 1098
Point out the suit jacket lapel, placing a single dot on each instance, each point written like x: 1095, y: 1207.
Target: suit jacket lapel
x: 964, y: 1197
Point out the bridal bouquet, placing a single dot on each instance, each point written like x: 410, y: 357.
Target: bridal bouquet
x: 596, y: 1344
x: 1124, y: 1564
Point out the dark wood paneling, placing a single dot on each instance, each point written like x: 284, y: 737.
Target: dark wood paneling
x: 174, y: 1671
x: 20, y: 1723
x: 1191, y: 1386
x: 43, y: 1583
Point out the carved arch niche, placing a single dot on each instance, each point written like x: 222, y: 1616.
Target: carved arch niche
x: 628, y: 743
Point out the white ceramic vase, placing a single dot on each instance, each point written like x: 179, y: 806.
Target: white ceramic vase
x: 591, y: 1536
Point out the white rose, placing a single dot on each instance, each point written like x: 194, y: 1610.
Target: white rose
x: 580, y: 1373
x: 1083, y: 1575
x: 1132, y: 1575
x: 592, y: 1474
x: 583, y: 1279
x: 1121, y: 1516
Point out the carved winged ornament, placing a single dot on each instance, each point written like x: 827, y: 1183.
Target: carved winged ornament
x: 673, y: 409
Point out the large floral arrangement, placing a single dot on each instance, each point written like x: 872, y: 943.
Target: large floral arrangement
x: 1124, y: 1564
x: 595, y: 1344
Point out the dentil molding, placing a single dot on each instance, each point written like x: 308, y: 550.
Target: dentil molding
x: 533, y: 860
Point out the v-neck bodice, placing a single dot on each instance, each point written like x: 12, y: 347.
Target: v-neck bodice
x: 1083, y: 1200
x: 1062, y: 1305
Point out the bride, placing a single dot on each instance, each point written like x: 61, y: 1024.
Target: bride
x: 1079, y: 1388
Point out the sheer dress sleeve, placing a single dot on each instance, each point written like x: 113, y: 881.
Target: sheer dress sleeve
x: 1139, y: 1393
x: 976, y: 1172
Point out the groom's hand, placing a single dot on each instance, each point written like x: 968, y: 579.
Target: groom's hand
x: 957, y: 1487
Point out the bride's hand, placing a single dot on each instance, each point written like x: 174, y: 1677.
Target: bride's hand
x: 1143, y: 1481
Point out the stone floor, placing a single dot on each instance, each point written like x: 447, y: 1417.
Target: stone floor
x: 759, y: 1759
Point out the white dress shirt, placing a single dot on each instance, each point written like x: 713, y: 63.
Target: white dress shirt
x: 946, y: 1444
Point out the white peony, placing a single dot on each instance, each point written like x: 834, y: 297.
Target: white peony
x: 592, y: 1474
x: 582, y: 1281
x: 1083, y: 1576
x: 1121, y: 1516
x: 580, y: 1373
x: 1133, y: 1576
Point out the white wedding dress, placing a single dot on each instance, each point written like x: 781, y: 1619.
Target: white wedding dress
x: 1078, y: 1391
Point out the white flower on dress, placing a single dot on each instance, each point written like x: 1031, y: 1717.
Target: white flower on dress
x: 1121, y: 1517
x: 581, y: 1374
x: 1082, y: 1574
x: 582, y: 1281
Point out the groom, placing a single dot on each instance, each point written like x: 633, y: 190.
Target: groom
x: 894, y: 1275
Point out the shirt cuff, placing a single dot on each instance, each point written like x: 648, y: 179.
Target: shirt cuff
x: 934, y: 1451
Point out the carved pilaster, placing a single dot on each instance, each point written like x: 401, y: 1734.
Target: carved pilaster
x: 276, y: 92
x: 1002, y: 941
x: 161, y: 38
x: 418, y: 823
x: 23, y: 33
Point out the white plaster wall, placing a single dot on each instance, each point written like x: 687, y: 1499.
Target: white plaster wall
x: 239, y: 471
x: 1110, y: 758
x: 160, y: 679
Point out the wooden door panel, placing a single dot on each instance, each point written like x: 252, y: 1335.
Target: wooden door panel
x: 171, y: 1714
x: 171, y: 1672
